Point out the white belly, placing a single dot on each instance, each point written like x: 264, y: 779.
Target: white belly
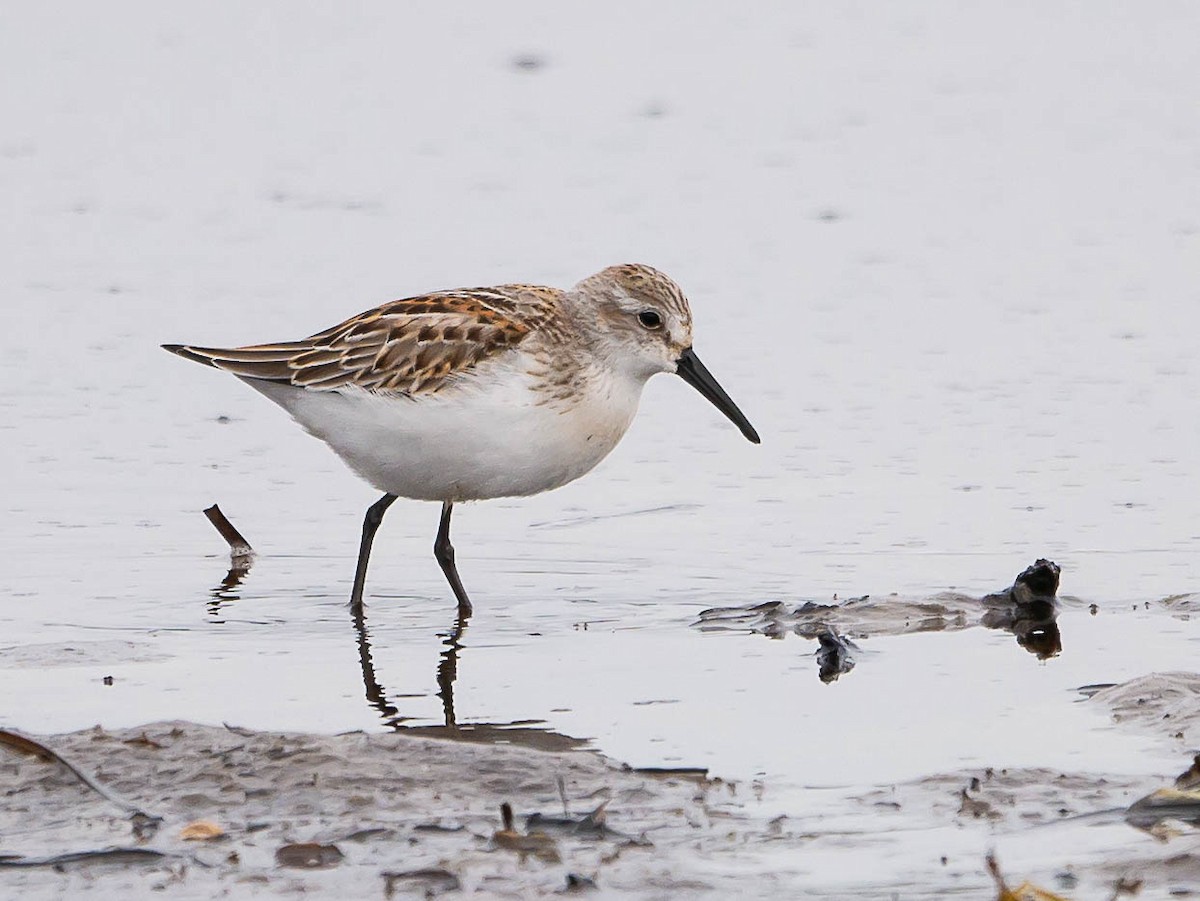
x: 486, y: 439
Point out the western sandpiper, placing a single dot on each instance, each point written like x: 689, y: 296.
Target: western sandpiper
x: 479, y: 393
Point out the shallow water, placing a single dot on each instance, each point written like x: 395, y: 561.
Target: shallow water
x: 951, y: 281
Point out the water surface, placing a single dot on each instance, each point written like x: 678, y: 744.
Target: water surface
x: 950, y: 279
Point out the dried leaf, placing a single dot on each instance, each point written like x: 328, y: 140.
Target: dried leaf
x: 201, y: 831
x: 1026, y: 891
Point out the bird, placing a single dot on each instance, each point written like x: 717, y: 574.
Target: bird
x: 479, y: 393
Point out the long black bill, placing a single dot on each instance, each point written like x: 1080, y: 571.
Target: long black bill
x: 692, y: 371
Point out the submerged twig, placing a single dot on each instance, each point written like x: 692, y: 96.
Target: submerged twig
x: 238, y: 546
x: 27, y: 745
x: 241, y: 556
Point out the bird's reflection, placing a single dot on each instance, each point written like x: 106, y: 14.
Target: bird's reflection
x: 527, y: 733
x: 447, y: 670
x: 376, y: 694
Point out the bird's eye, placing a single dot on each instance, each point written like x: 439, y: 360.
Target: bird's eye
x: 650, y: 319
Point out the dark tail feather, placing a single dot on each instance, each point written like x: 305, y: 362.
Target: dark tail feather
x: 188, y: 354
x: 264, y: 362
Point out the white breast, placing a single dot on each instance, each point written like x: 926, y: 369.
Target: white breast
x: 488, y: 437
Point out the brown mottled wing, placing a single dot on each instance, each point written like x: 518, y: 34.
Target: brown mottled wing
x: 412, y: 346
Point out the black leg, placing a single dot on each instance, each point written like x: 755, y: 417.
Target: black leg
x: 370, y: 526
x: 444, y: 552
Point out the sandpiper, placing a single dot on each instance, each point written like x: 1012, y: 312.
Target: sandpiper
x: 479, y: 393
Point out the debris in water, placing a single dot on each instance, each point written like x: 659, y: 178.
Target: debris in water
x: 241, y: 555
x: 835, y: 656
x: 1037, y: 584
x: 1028, y: 609
x: 238, y: 546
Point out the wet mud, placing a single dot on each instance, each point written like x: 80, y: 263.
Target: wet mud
x: 382, y: 815
x: 199, y: 811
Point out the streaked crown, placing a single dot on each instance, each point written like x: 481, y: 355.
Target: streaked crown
x: 640, y: 310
